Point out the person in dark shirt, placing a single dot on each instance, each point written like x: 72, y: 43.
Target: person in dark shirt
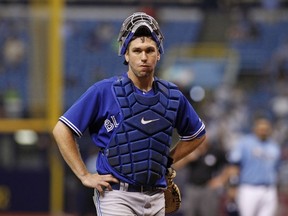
x: 205, y: 178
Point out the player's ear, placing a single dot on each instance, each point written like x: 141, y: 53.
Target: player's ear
x: 158, y: 56
x: 126, y: 57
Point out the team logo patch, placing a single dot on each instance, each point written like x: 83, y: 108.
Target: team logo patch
x: 111, y: 123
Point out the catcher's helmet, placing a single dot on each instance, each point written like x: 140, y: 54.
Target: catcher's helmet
x: 140, y: 24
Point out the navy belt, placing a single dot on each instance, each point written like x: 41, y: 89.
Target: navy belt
x: 263, y: 184
x: 260, y: 184
x: 122, y: 186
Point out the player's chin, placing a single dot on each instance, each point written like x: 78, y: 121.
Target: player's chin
x: 145, y: 74
x: 145, y: 71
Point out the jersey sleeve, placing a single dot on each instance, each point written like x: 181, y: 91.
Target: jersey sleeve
x: 189, y: 126
x: 81, y: 113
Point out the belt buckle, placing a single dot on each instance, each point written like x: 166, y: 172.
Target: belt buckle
x: 123, y: 186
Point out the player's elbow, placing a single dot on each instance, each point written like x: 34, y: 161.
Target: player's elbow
x: 60, y: 130
x: 56, y: 129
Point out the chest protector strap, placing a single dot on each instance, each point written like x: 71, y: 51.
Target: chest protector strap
x: 141, y: 143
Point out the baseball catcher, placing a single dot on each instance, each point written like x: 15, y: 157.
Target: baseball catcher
x: 131, y: 118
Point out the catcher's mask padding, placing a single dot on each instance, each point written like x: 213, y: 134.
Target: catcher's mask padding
x: 136, y: 25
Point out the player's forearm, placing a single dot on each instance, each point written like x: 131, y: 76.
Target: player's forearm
x: 184, y: 148
x: 184, y: 161
x: 69, y: 149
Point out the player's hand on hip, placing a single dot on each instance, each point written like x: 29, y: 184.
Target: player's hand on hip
x: 100, y: 182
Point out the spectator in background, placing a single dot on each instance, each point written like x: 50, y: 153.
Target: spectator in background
x: 278, y: 67
x: 210, y: 4
x: 147, y: 7
x: 206, y: 176
x: 243, y: 28
x: 12, y: 104
x: 14, y: 51
x: 255, y: 159
x: 270, y: 4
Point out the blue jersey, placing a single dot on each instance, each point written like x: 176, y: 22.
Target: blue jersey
x: 97, y: 110
x: 258, y: 160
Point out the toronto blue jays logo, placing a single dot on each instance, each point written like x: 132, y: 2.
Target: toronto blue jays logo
x: 111, y: 123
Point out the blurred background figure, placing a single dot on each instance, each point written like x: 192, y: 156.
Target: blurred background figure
x: 278, y: 65
x: 255, y: 160
x: 205, y: 178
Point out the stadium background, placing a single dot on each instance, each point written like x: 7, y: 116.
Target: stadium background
x: 229, y: 56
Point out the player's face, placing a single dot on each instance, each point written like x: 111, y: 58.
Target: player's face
x: 262, y: 129
x: 142, y: 56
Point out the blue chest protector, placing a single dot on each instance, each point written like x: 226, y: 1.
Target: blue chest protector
x: 141, y: 143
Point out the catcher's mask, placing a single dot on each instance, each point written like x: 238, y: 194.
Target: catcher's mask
x: 139, y: 24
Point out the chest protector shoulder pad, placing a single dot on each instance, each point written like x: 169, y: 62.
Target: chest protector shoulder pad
x: 141, y: 143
